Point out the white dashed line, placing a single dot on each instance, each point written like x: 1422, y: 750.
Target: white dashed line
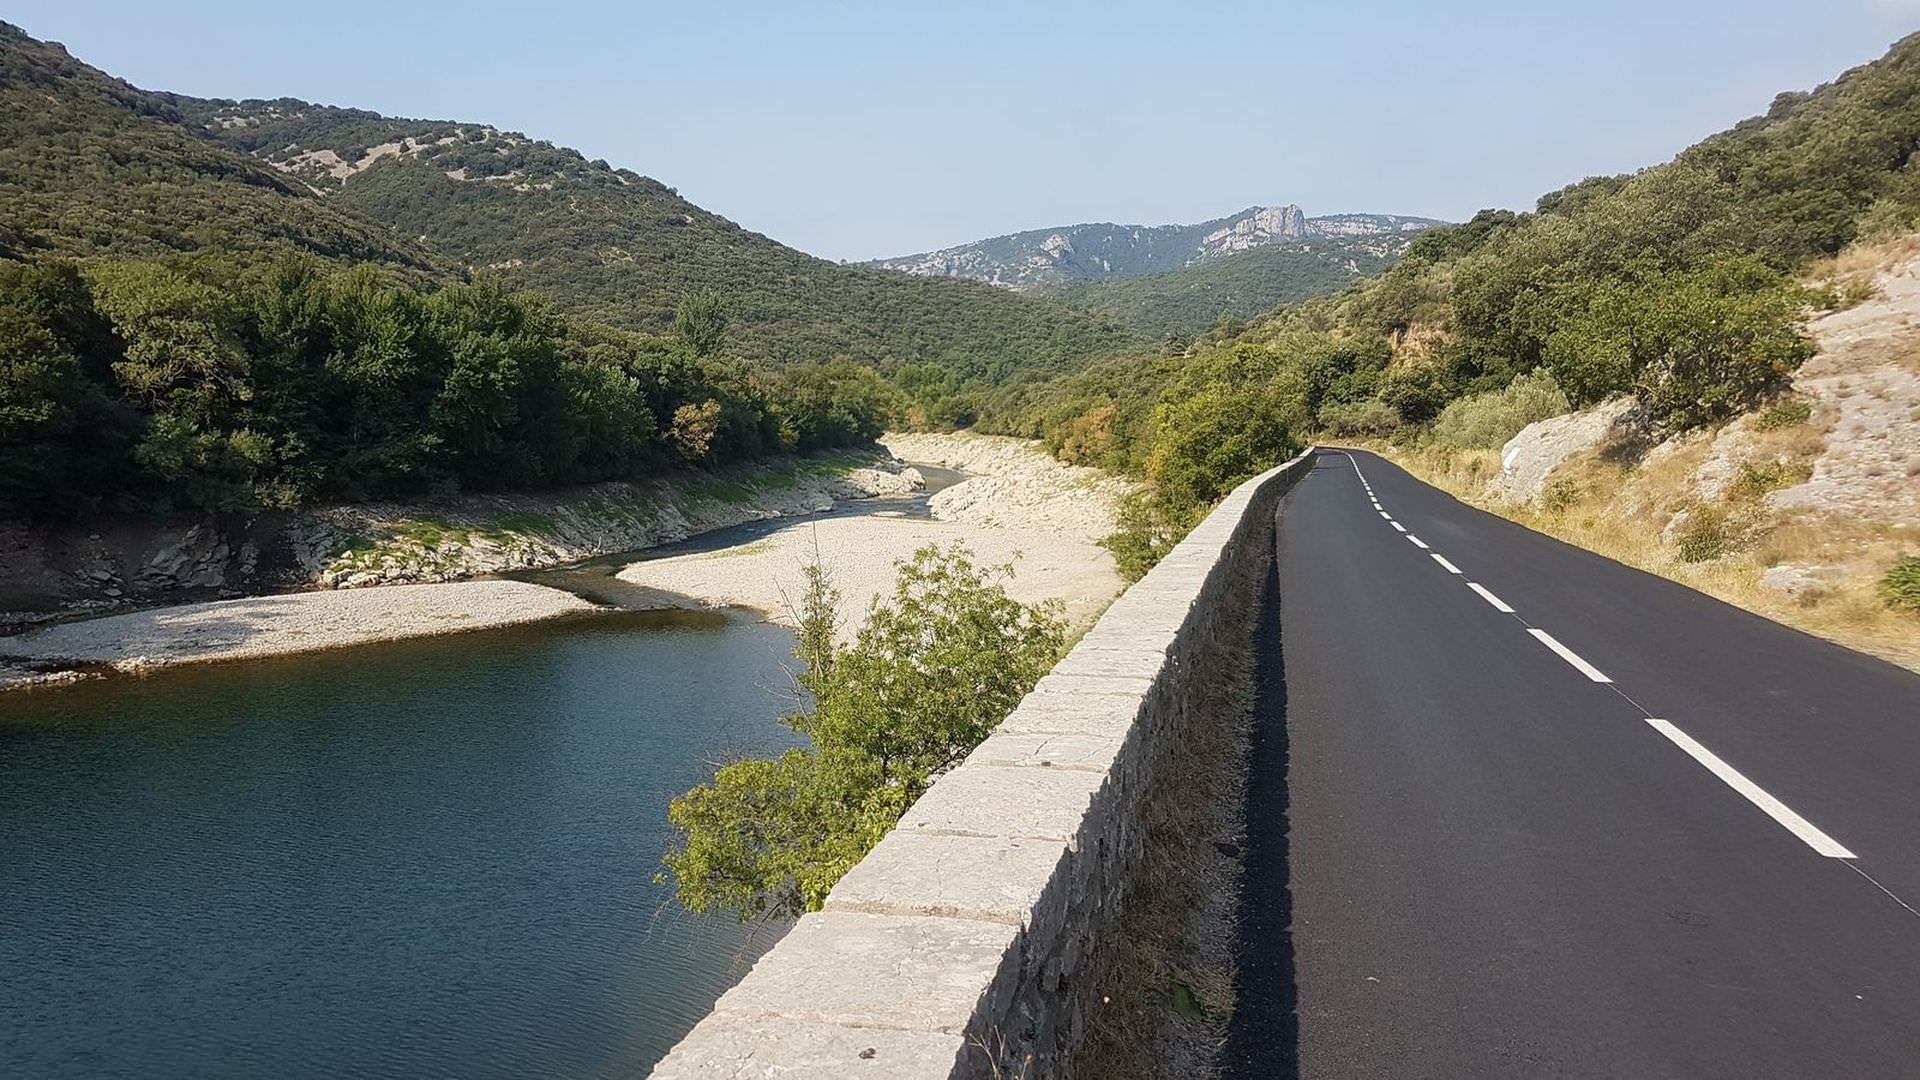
x: 1777, y: 810
x: 1498, y: 604
x: 1569, y: 655
x: 1800, y: 827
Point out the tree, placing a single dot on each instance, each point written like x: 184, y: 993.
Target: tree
x: 1695, y: 345
x: 701, y: 323
x: 935, y: 667
x: 1205, y: 445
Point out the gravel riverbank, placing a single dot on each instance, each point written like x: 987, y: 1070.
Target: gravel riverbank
x: 274, y: 625
x: 1021, y: 507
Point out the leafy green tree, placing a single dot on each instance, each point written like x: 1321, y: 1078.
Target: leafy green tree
x: 935, y: 667
x: 1695, y: 345
x: 1213, y: 440
x: 701, y: 323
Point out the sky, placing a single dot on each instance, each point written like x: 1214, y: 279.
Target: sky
x: 860, y: 130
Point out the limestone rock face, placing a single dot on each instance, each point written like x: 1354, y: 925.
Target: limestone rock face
x: 1529, y: 458
x: 1264, y: 225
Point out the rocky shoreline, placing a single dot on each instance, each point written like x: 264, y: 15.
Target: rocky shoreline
x: 419, y: 554
x: 47, y: 575
x: 1022, y: 507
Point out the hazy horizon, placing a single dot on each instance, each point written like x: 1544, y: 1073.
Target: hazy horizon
x: 864, y: 131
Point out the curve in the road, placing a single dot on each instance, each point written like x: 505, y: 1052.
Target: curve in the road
x: 1485, y: 872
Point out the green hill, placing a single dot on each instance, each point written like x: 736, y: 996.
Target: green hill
x: 92, y: 166
x: 624, y: 249
x: 1184, y: 302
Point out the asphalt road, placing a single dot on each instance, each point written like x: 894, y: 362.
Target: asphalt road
x: 1469, y: 856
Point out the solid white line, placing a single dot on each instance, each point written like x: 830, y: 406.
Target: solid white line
x: 1498, y: 604
x: 1417, y: 542
x: 1451, y: 569
x: 1397, y: 525
x: 1569, y: 655
x: 1777, y: 810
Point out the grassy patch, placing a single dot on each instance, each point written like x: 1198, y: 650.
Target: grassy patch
x: 1900, y: 587
x: 524, y: 521
x: 1783, y: 414
x: 427, y: 532
x: 1755, y: 480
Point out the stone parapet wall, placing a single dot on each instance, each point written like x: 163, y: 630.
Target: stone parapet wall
x: 967, y: 943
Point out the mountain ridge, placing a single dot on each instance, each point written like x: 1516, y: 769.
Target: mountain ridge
x: 1100, y: 251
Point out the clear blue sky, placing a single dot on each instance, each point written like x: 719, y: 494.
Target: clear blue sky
x: 860, y: 130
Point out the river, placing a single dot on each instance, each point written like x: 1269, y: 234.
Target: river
x: 430, y: 858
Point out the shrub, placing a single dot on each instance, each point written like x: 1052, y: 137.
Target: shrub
x: 1784, y: 414
x: 1695, y: 346
x: 1487, y: 421
x: 935, y: 666
x: 1559, y: 496
x: 1705, y: 537
x: 1900, y: 588
x: 1359, y: 419
x: 1753, y: 481
x: 1209, y: 443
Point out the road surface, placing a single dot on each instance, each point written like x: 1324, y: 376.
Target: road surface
x: 1522, y: 811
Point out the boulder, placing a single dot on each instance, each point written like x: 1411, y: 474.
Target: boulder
x: 1798, y: 581
x: 1529, y: 458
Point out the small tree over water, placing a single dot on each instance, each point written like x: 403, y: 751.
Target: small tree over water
x: 934, y: 668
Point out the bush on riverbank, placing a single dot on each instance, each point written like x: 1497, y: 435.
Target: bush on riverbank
x: 934, y: 668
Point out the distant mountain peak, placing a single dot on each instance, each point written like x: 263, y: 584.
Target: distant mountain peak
x: 1104, y: 250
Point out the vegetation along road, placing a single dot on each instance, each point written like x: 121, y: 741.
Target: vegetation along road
x: 1521, y: 810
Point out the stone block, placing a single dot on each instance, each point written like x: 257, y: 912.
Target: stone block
x: 734, y: 1047
x: 993, y: 878
x: 1142, y: 663
x: 1093, y: 684
x: 1035, y: 804
x: 1036, y: 750
x: 1043, y: 713
x: 861, y: 970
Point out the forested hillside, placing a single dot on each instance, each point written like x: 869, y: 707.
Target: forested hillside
x: 1676, y: 284
x: 624, y: 249
x: 215, y: 306
x: 1185, y: 302
x: 92, y: 166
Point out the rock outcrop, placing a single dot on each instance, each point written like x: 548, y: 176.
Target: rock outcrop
x: 1528, y: 460
x: 45, y: 573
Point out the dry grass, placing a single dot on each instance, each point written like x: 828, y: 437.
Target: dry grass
x: 1864, y: 261
x: 1622, y: 509
x: 1167, y: 983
